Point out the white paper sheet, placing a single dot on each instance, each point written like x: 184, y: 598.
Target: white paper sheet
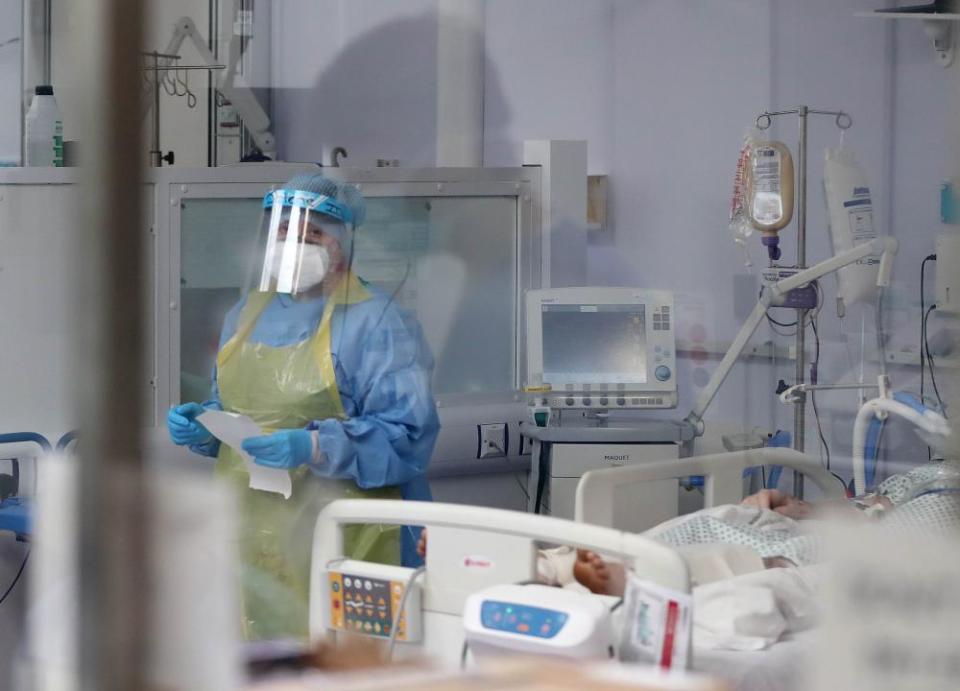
x: 231, y: 429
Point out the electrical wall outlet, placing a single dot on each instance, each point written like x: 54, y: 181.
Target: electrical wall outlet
x: 492, y: 440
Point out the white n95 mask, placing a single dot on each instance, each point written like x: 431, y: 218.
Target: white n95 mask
x: 313, y: 267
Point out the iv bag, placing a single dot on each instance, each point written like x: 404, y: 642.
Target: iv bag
x: 769, y: 178
x: 739, y: 220
x: 850, y: 222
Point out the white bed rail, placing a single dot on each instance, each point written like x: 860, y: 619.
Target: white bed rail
x: 507, y: 540
x: 722, y: 472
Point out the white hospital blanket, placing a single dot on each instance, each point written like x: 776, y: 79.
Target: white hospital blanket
x: 755, y: 610
x: 749, y: 611
x: 782, y: 667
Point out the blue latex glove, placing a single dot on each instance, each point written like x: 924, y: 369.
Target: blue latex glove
x: 183, y: 426
x: 286, y: 449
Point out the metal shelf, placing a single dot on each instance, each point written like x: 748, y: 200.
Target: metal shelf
x: 929, y: 16
x: 940, y: 26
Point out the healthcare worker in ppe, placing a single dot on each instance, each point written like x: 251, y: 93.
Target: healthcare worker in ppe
x: 338, y: 377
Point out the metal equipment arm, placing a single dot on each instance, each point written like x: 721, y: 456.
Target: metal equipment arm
x: 723, y: 474
x: 885, y: 246
x: 230, y: 84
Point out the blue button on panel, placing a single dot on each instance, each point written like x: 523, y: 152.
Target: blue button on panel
x: 662, y: 373
x: 521, y: 619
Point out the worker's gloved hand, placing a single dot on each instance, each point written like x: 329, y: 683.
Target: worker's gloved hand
x: 288, y: 448
x: 183, y: 426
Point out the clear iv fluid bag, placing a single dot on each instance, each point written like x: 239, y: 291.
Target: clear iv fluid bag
x: 770, y: 187
x: 850, y: 222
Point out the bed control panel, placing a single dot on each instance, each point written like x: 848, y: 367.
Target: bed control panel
x: 366, y: 601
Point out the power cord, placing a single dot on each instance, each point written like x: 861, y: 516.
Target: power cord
x: 839, y: 479
x: 773, y: 322
x: 16, y: 578
x: 813, y: 398
x: 543, y: 468
x: 786, y: 325
x: 403, y: 603
x: 926, y: 347
x: 923, y: 269
x: 813, y: 314
x: 526, y: 494
x: 881, y: 344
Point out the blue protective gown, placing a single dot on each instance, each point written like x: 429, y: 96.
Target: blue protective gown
x: 383, y: 367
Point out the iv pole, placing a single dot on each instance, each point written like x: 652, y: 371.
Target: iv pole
x: 763, y: 121
x: 886, y: 247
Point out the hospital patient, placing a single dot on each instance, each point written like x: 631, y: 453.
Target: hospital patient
x: 770, y: 529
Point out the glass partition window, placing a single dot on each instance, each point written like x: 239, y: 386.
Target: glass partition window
x: 450, y: 261
x: 218, y: 240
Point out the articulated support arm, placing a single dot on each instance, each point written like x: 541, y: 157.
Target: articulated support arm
x: 228, y: 83
x: 886, y: 247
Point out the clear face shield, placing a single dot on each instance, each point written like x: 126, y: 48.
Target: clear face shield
x: 306, y: 238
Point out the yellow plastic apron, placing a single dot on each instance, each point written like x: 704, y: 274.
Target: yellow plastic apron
x: 286, y: 388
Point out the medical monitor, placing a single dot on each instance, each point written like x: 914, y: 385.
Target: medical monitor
x: 607, y: 348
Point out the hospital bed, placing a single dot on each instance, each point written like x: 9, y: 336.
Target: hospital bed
x: 470, y: 548
x: 473, y: 548
x: 604, y: 496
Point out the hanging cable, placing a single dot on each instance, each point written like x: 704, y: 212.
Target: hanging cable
x: 526, y: 493
x: 923, y: 269
x: 773, y: 321
x: 785, y: 325
x: 926, y: 347
x: 881, y: 345
x: 773, y: 328
x: 825, y: 447
x: 16, y: 578
x: 395, y: 626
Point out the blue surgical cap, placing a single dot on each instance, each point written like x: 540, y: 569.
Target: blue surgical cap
x: 343, y: 193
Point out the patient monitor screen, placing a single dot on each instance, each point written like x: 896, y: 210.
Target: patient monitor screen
x: 594, y: 344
